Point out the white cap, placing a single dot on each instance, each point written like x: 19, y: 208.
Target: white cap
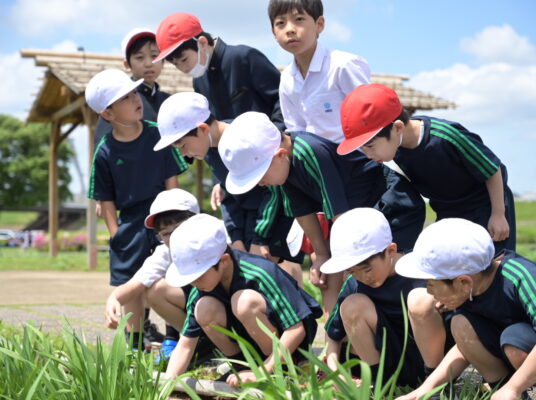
x: 247, y: 149
x: 447, y: 249
x: 134, y: 35
x: 355, y: 236
x: 107, y: 87
x: 171, y: 200
x: 195, y: 246
x: 178, y: 115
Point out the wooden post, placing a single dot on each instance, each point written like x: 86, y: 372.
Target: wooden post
x: 199, y: 182
x: 53, y: 194
x: 90, y: 119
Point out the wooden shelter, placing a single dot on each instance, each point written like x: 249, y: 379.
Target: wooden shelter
x: 60, y: 102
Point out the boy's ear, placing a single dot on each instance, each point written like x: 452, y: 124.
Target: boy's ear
x: 126, y: 64
x: 107, y: 114
x: 203, y: 42
x: 281, y: 153
x: 203, y: 128
x: 392, y: 249
x: 320, y: 24
x: 225, y: 261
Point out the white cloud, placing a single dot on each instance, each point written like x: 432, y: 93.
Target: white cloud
x: 65, y: 46
x: 337, y: 31
x: 495, y: 99
x: 16, y: 96
x: 500, y: 44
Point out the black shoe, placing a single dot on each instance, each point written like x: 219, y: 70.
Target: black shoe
x: 151, y: 333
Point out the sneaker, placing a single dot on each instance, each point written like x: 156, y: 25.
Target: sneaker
x: 167, y: 348
x: 151, y: 333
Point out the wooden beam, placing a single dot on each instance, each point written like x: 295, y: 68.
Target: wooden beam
x: 53, y: 194
x: 68, y: 109
x: 199, y: 182
x: 90, y: 119
x: 65, y: 134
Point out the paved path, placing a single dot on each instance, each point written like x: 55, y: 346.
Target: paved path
x: 48, y: 297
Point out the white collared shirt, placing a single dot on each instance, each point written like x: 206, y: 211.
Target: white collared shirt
x: 313, y: 104
x: 154, y: 267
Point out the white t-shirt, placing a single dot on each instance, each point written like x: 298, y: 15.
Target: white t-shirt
x: 154, y: 267
x: 313, y: 104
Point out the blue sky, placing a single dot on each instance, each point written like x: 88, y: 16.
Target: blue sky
x: 479, y: 54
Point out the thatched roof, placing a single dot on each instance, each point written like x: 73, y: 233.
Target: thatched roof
x: 67, y: 75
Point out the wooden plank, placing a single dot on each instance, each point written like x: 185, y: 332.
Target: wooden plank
x: 90, y: 119
x: 53, y: 194
x: 68, y: 109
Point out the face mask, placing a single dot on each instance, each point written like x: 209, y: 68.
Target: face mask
x: 198, y: 69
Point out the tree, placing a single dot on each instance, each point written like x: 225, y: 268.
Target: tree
x: 24, y: 156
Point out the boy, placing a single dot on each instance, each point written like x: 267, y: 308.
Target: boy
x: 370, y: 302
x: 169, y: 209
x: 444, y: 161
x: 313, y: 178
x: 494, y: 323
x: 254, y: 222
x: 255, y: 289
x: 234, y: 79
x: 139, y: 49
x: 313, y: 87
x: 120, y: 177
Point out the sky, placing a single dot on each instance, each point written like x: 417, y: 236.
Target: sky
x: 479, y: 54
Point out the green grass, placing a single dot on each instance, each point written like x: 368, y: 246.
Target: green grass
x: 13, y: 258
x: 16, y: 219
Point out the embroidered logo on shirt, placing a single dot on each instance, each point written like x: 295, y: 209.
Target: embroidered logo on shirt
x: 119, y: 162
x: 327, y: 107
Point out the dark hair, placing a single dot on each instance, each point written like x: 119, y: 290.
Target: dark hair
x: 172, y: 217
x: 381, y: 254
x: 485, y: 272
x: 211, y: 118
x: 190, y: 44
x: 386, y: 131
x: 279, y: 7
x: 138, y: 44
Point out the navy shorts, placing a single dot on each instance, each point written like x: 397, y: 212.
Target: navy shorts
x: 131, y: 245
x: 277, y: 242
x: 412, y: 372
x: 404, y: 208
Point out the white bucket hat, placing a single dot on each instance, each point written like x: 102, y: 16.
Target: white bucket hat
x: 247, y: 149
x: 171, y: 200
x: 447, y: 249
x: 178, y: 115
x: 108, y: 86
x: 355, y: 236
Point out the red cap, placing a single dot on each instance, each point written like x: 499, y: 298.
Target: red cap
x: 174, y: 30
x: 365, y: 112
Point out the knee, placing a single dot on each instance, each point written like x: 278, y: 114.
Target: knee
x: 210, y: 311
x: 355, y: 308
x: 155, y: 292
x: 462, y: 330
x: 421, y: 304
x: 247, y: 303
x: 515, y: 355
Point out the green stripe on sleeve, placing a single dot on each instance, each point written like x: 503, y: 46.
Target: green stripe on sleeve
x: 181, y: 162
x: 192, y: 298
x: 518, y: 276
x: 337, y: 305
x: 268, y: 214
x: 91, y: 190
x: 286, y: 203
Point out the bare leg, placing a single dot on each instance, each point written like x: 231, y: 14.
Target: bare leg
x: 490, y: 367
x: 294, y: 270
x: 135, y: 306
x: 169, y: 302
x: 248, y: 306
x: 331, y: 293
x: 360, y: 321
x: 427, y: 325
x: 515, y: 355
x: 211, y: 312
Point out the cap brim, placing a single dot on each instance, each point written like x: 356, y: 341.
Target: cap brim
x: 124, y: 91
x: 295, y: 238
x: 349, y: 145
x: 175, y: 279
x: 163, y: 54
x: 238, y: 184
x: 168, y: 140
x: 410, y: 266
x: 338, y: 264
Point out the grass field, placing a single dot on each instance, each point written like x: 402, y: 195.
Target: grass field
x: 15, y: 259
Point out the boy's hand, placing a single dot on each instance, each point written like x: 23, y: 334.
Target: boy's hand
x: 246, y: 376
x: 316, y: 277
x: 112, y: 312
x: 498, y: 227
x: 239, y: 245
x: 260, y: 250
x: 216, y: 197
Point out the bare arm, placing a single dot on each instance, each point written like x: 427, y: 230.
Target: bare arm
x: 121, y: 295
x: 109, y: 213
x: 172, y: 183
x: 522, y: 379
x: 332, y: 353
x: 311, y: 227
x: 181, y: 357
x: 497, y: 224
x: 449, y: 368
